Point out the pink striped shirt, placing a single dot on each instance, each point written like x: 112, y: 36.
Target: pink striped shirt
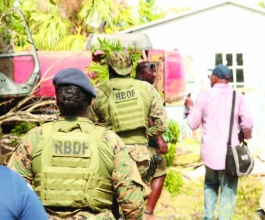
x: 213, y: 109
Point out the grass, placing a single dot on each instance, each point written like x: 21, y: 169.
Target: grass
x: 188, y: 204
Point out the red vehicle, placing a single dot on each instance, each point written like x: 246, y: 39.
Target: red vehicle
x: 31, y: 71
x: 170, y: 69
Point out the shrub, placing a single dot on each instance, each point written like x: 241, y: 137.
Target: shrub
x: 20, y: 130
x: 172, y: 134
x: 170, y: 155
x: 173, y: 182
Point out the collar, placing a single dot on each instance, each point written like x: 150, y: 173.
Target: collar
x: 74, y: 118
x: 221, y: 85
x: 138, y: 78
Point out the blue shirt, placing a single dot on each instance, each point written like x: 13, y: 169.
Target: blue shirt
x: 17, y: 199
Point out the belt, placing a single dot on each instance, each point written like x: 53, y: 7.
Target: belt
x: 69, y: 209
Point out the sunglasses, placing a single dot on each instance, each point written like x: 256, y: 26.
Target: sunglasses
x: 152, y: 66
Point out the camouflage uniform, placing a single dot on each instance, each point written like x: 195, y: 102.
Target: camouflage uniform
x: 146, y: 71
x: 161, y: 169
x: 125, y: 177
x: 137, y: 145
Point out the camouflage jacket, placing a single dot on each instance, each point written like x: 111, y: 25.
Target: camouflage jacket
x: 156, y: 112
x: 126, y: 180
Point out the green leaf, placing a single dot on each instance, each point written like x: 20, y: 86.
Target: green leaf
x: 173, y: 182
x: 53, y: 2
x: 172, y: 134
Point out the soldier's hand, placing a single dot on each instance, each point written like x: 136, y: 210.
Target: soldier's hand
x: 150, y: 122
x: 163, y: 148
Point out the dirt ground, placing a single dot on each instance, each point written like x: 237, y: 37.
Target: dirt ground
x: 188, y: 205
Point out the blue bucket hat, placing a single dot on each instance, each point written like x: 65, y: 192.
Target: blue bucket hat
x: 222, y: 72
x: 73, y: 76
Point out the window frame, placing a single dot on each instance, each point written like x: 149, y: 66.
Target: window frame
x: 234, y: 66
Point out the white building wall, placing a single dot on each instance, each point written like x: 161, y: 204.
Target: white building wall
x: 227, y: 28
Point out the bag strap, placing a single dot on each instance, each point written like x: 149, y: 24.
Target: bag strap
x: 105, y: 88
x: 231, y: 118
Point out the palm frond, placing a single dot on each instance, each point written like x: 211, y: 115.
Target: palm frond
x: 98, y: 73
x: 54, y: 28
x: 72, y: 42
x: 93, y: 12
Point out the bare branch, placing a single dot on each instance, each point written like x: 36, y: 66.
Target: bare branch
x: 48, y: 102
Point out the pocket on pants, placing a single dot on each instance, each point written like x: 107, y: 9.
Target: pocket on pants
x: 141, y: 155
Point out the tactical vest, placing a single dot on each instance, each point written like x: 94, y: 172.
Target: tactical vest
x: 67, y: 167
x: 128, y: 105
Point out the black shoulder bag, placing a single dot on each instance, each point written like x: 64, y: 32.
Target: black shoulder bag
x: 239, y: 161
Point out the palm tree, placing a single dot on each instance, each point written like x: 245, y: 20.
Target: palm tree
x: 12, y: 31
x: 116, y: 14
x: 51, y: 25
x: 149, y: 12
x: 65, y: 24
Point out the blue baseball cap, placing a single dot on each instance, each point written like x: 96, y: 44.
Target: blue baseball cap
x: 73, y: 76
x: 222, y: 72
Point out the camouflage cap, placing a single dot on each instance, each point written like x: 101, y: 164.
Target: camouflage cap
x: 121, y: 62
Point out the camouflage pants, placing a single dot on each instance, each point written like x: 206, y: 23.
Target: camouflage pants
x: 107, y: 215
x: 141, y: 155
